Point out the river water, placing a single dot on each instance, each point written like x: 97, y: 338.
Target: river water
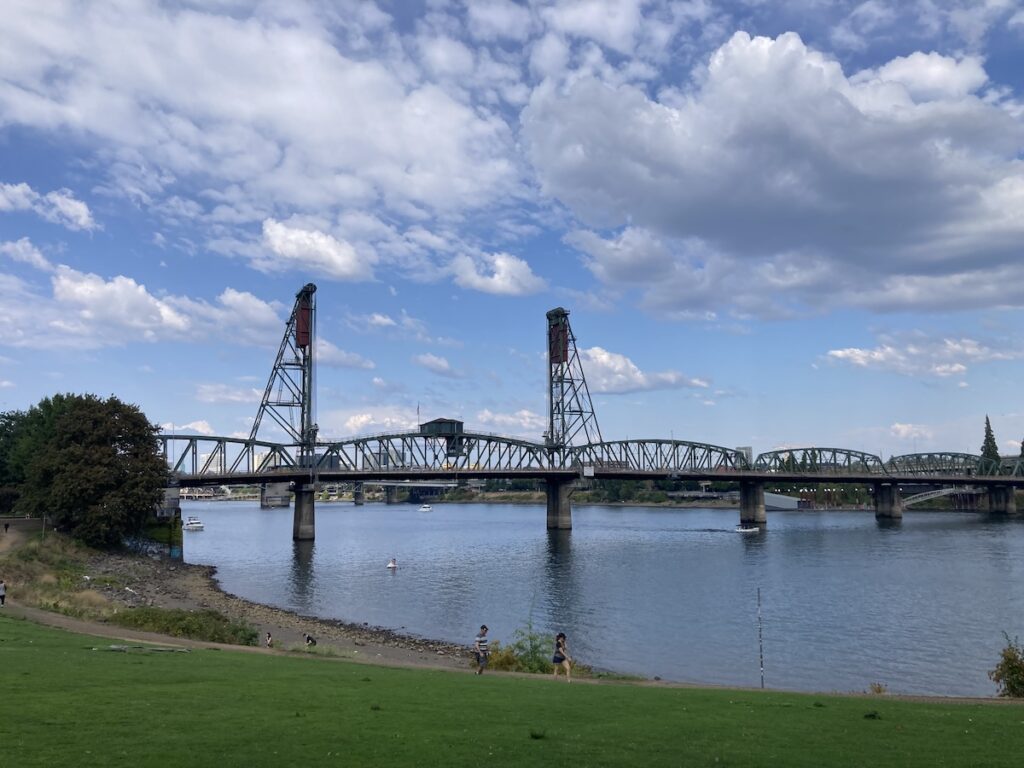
x: 918, y: 606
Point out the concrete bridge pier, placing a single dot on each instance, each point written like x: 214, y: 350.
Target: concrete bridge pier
x: 275, y: 495
x: 1001, y: 500
x: 559, y: 506
x: 390, y: 494
x: 752, y: 505
x: 887, y: 501
x: 304, y: 521
x: 358, y: 494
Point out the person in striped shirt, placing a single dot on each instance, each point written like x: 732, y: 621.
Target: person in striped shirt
x: 480, y: 648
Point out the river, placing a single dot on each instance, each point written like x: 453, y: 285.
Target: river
x: 918, y: 606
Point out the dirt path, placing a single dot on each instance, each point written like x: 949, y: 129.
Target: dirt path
x: 137, y: 580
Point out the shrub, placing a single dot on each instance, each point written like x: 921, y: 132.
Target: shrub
x: 1009, y: 672
x: 529, y: 651
x: 196, y: 625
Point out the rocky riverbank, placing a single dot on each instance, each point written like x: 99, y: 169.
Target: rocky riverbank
x: 110, y: 581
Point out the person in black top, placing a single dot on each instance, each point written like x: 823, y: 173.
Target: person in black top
x: 562, y: 658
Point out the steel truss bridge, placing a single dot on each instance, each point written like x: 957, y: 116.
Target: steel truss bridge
x: 572, y: 447
x: 201, y: 461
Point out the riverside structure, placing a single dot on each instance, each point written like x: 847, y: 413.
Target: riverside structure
x: 572, y: 449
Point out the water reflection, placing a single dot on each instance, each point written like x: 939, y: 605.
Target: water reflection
x: 847, y: 600
x: 302, y: 580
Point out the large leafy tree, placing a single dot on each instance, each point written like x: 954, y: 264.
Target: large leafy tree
x: 93, y: 466
x: 989, y: 449
x: 10, y: 428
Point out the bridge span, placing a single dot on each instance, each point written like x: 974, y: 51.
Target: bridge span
x: 572, y: 449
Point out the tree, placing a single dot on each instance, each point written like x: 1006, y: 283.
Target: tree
x: 989, y: 449
x: 10, y: 428
x: 93, y: 466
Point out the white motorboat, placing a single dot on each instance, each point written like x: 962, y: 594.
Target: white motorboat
x: 747, y: 529
x: 193, y: 523
x: 426, y: 508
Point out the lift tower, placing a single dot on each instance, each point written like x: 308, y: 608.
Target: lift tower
x: 290, y: 401
x: 570, y: 411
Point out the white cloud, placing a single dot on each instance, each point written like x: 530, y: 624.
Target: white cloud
x: 612, y: 373
x: 199, y: 427
x: 910, y: 431
x: 498, y: 273
x: 23, y: 251
x: 523, y: 421
x: 917, y: 354
x: 498, y: 19
x: 776, y: 166
x: 613, y: 23
x: 313, y: 251
x: 436, y: 364
x: 88, y: 311
x: 284, y: 106
x: 60, y: 206
x: 5, y: 384
x: 222, y: 393
x: 929, y: 76
x: 328, y: 354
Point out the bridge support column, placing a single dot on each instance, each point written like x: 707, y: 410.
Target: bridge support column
x: 303, y: 526
x: 752, y: 505
x: 390, y: 494
x: 559, y: 506
x: 274, y: 495
x: 887, y: 501
x: 1001, y: 500
x: 358, y: 494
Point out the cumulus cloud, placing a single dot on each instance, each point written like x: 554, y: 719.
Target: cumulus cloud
x: 199, y: 427
x: 523, y: 421
x: 24, y: 251
x: 436, y: 364
x: 910, y: 431
x: 222, y: 393
x: 918, y: 354
x: 60, y: 206
x: 328, y: 354
x: 498, y: 273
x: 612, y: 373
x: 88, y: 311
x: 777, y: 165
x: 312, y: 251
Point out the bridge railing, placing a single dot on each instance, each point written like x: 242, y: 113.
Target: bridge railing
x: 820, y: 461
x: 672, y: 456
x: 944, y: 463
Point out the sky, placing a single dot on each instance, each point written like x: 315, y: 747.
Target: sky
x: 774, y: 224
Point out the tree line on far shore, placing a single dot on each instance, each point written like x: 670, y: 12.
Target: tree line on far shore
x: 91, y: 467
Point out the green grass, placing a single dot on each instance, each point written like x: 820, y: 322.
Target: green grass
x: 65, y: 701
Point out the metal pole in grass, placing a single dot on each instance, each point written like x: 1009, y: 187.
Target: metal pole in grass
x: 760, y: 639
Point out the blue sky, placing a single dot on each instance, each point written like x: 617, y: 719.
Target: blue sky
x: 774, y: 223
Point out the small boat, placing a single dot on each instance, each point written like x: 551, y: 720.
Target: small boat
x: 193, y: 523
x: 426, y: 508
x: 391, y: 564
x: 747, y: 529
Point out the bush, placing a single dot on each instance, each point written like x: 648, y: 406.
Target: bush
x: 529, y: 651
x: 1009, y: 672
x: 196, y: 625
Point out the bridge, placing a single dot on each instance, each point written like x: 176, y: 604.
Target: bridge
x: 572, y: 449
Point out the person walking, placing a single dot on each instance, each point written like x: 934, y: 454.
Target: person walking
x: 562, y: 658
x: 480, y: 649
x: 3, y: 592
x: 269, y: 641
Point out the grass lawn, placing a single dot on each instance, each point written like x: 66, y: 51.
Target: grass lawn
x: 67, y: 701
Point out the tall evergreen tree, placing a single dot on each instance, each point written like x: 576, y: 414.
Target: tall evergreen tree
x: 989, y: 449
